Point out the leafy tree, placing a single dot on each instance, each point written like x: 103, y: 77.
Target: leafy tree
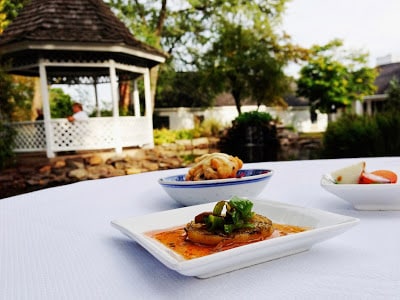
x: 8, y: 95
x: 331, y: 82
x: 6, y: 106
x: 60, y: 103
x: 9, y: 9
x: 185, y: 89
x: 16, y: 91
x: 245, y: 65
x: 158, y: 24
x: 21, y: 98
x: 187, y: 29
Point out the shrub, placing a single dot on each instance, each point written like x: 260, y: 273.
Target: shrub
x: 184, y: 134
x: 206, y: 129
x: 163, y: 136
x: 389, y: 133
x: 252, y: 137
x: 6, y: 145
x: 209, y: 127
x: 253, y: 118
x: 362, y: 136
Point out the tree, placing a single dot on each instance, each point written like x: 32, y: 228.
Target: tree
x: 245, y: 65
x: 185, y: 89
x: 187, y: 29
x: 16, y: 91
x: 22, y: 92
x: 158, y: 24
x: 333, y: 79
x: 9, y: 9
x: 10, y: 92
x: 6, y: 106
x: 60, y: 103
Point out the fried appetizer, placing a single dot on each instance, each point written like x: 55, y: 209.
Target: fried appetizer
x: 214, y: 166
x: 238, y: 225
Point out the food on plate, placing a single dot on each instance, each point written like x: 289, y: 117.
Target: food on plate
x: 378, y: 176
x: 231, y: 224
x: 238, y: 225
x: 350, y: 174
x: 214, y: 166
x: 357, y: 173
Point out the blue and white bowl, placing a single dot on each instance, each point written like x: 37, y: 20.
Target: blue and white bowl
x: 248, y: 183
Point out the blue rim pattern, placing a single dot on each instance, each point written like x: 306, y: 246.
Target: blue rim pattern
x: 243, y: 177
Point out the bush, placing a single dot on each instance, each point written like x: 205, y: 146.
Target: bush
x: 163, y: 136
x: 209, y: 128
x: 362, y: 136
x: 6, y: 145
x: 206, y: 129
x: 389, y: 133
x: 252, y: 137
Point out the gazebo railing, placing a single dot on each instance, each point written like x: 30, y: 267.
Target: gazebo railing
x: 31, y: 136
x: 93, y: 134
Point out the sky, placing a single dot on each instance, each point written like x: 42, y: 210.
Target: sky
x: 368, y: 25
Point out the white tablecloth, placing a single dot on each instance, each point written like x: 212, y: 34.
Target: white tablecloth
x: 58, y: 244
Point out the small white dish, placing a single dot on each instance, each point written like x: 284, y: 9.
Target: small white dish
x: 325, y: 225
x: 366, y: 196
x: 249, y: 183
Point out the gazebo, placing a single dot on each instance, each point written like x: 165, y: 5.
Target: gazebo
x: 75, y: 42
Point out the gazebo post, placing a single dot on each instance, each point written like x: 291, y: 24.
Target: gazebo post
x: 136, y: 100
x: 114, y: 96
x: 147, y: 93
x: 46, y: 109
x: 148, y: 104
x: 96, y: 98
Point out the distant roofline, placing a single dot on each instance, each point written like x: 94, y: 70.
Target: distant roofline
x: 376, y: 97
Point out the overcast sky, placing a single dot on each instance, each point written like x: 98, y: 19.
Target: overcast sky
x: 362, y: 24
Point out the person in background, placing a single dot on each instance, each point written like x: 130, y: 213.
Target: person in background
x: 79, y: 114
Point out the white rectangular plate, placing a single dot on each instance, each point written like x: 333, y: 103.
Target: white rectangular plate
x: 325, y: 225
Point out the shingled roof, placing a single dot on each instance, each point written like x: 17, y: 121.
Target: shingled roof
x: 386, y: 73
x: 77, y: 30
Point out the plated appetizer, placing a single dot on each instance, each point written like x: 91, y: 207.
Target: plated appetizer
x: 231, y: 224
x: 164, y: 236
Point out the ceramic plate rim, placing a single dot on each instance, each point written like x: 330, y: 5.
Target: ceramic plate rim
x: 246, y: 179
x: 364, y: 196
x: 324, y: 182
x: 221, y: 262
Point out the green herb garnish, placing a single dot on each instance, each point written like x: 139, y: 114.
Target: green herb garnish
x: 238, y: 215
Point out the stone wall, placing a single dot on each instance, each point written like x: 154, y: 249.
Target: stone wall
x: 34, y: 172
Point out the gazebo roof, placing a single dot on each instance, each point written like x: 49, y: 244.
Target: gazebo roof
x: 71, y: 31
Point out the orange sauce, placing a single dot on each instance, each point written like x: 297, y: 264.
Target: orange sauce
x: 175, y: 239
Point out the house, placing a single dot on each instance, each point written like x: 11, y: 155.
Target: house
x: 373, y: 103
x: 296, y: 115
